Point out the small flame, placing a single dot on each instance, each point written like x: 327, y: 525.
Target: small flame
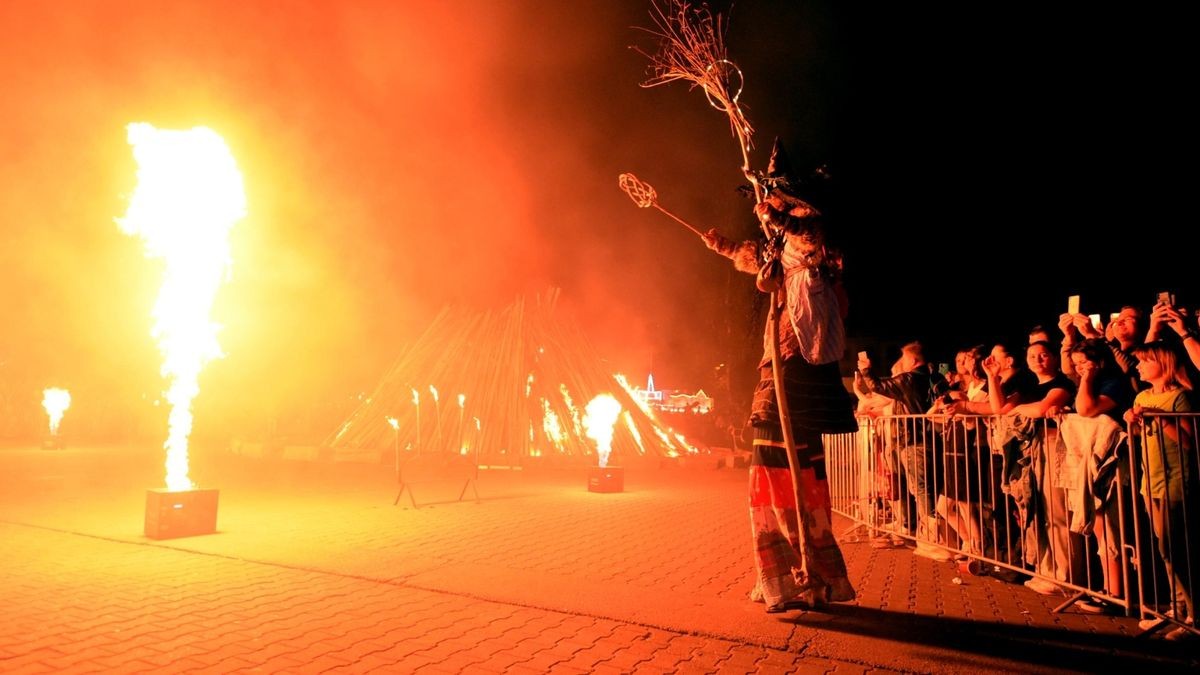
x: 578, y: 426
x: 462, y: 400
x: 552, y: 427
x: 599, y: 419
x: 189, y: 195
x: 394, y: 422
x: 434, y: 393
x: 637, y: 436
x: 528, y: 385
x: 477, y: 426
x: 55, y: 401
x: 416, y: 398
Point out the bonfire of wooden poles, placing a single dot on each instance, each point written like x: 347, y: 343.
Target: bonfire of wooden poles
x: 525, y: 374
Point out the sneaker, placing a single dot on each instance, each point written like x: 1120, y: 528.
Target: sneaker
x: 1180, y: 633
x: 1007, y: 575
x: 1094, y: 606
x: 1041, y: 586
x: 897, y: 540
x: 1154, y: 622
x: 978, y: 568
x: 881, y: 542
x: 933, y: 552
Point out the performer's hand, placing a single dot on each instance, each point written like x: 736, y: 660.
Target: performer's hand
x: 764, y: 211
x: 714, y: 240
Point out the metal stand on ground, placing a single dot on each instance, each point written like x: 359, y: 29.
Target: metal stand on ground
x: 400, y: 472
x: 472, y: 480
x: 856, y: 532
x: 412, y: 497
x: 1079, y: 595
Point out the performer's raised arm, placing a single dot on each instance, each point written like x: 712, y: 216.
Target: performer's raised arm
x: 744, y: 254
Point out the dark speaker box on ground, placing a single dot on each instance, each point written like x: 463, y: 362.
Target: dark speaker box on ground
x: 606, y: 479
x: 180, y: 513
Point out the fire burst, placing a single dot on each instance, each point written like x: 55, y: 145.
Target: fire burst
x: 599, y: 419
x: 189, y: 195
x: 55, y: 401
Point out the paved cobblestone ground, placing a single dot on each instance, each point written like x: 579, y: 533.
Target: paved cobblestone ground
x: 314, y: 570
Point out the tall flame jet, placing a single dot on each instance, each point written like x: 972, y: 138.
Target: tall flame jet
x: 189, y: 195
x: 55, y: 401
x: 601, y: 415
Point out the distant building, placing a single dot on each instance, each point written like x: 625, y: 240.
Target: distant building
x: 674, y: 400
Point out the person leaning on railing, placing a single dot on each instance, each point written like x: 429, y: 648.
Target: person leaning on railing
x: 1103, y: 392
x: 914, y: 386
x: 967, y: 491
x: 1053, y: 390
x: 1169, y: 485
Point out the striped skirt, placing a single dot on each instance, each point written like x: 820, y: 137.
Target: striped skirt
x: 817, y: 400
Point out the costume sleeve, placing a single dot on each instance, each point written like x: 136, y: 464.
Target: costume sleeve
x: 743, y: 254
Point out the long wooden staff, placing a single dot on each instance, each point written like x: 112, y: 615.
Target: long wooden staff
x: 692, y: 48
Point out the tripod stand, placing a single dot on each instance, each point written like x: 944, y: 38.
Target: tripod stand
x: 399, y: 469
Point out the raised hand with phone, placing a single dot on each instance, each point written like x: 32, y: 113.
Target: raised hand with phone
x: 1168, y: 315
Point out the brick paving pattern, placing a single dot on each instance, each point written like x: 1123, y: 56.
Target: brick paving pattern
x: 313, y: 570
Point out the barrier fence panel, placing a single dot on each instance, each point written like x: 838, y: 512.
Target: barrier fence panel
x: 1165, y: 463
x: 1098, y: 511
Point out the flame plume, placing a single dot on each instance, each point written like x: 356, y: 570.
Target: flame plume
x: 55, y: 401
x: 599, y: 419
x: 189, y: 195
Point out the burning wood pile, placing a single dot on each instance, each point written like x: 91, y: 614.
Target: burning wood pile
x: 500, y: 387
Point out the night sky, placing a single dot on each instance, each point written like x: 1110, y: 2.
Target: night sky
x: 402, y: 156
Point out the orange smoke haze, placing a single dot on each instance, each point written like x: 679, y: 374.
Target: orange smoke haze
x: 396, y: 157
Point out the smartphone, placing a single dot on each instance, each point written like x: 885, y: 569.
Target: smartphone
x: 862, y: 355
x: 944, y: 368
x: 1095, y: 319
x: 1073, y: 304
x: 1113, y: 317
x: 1166, y: 298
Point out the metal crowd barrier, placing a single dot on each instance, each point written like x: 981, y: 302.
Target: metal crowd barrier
x: 1091, y: 509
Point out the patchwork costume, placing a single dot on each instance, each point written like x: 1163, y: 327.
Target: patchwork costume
x: 796, y: 556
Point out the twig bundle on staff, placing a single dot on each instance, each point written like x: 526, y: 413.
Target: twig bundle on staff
x: 692, y: 48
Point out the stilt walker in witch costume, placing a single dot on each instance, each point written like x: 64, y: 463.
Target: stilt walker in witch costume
x: 796, y: 556
x: 800, y: 394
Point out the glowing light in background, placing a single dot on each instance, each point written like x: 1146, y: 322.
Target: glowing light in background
x: 462, y: 409
x: 598, y: 420
x: 640, y: 402
x: 188, y: 197
x: 55, y: 401
x: 552, y: 428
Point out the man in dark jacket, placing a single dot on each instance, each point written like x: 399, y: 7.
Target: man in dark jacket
x: 914, y: 386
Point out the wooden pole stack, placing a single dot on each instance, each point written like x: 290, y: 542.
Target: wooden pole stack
x: 512, y: 365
